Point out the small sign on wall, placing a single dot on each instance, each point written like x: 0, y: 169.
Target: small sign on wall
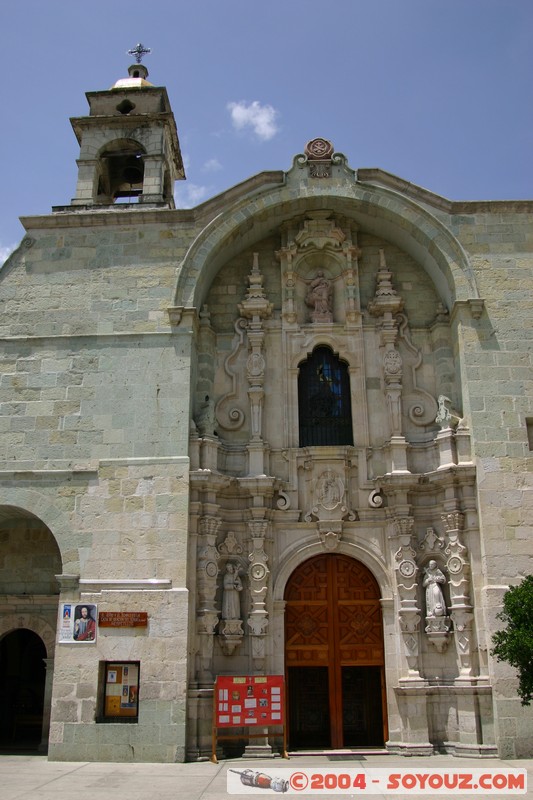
x: 78, y: 623
x: 123, y: 619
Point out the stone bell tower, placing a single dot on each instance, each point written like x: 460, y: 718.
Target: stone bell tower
x: 129, y: 148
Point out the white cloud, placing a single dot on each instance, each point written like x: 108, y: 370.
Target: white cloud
x: 262, y: 119
x: 213, y: 165
x: 5, y: 252
x: 187, y: 195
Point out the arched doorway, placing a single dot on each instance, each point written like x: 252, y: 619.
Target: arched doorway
x: 334, y: 655
x: 30, y: 562
x: 22, y: 686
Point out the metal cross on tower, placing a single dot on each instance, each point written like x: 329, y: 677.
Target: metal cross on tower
x: 139, y: 51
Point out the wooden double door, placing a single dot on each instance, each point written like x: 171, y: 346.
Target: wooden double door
x: 334, y: 655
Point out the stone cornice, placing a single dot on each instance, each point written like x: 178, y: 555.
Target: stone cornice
x: 97, y: 585
x: 69, y: 216
x: 79, y: 216
x: 379, y: 177
x: 84, y: 217
x: 69, y: 337
x: 48, y: 474
x: 416, y: 482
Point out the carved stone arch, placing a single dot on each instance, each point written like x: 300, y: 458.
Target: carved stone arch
x: 120, y: 144
x: 120, y: 169
x: 375, y: 209
x: 18, y: 501
x: 307, y: 263
x: 303, y: 552
x: 336, y: 344
x: 31, y: 622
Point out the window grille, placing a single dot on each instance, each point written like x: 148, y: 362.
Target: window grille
x: 324, y: 403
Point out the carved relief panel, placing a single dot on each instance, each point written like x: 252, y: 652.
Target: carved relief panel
x: 319, y: 271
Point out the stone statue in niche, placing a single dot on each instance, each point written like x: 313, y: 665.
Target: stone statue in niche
x: 231, y: 586
x: 433, y: 578
x: 319, y: 298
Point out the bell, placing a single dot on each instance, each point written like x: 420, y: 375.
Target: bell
x: 132, y: 172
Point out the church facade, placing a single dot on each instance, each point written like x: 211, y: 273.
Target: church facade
x: 288, y: 432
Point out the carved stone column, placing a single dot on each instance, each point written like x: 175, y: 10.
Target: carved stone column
x: 289, y: 308
x: 407, y: 585
x: 255, y: 308
x: 206, y: 587
x: 387, y: 304
x: 351, y: 282
x: 204, y: 417
x: 461, y: 608
x: 258, y: 574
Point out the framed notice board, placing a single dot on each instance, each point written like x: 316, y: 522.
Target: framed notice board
x: 256, y: 701
x: 121, y: 691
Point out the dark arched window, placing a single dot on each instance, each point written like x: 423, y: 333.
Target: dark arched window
x: 324, y: 405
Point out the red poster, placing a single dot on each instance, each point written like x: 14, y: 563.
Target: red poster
x: 248, y: 701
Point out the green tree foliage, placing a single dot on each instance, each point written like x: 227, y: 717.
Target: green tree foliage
x: 515, y: 644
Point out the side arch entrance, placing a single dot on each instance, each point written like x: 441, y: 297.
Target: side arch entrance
x: 22, y: 682
x: 334, y: 655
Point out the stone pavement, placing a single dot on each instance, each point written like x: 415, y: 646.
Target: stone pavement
x: 24, y: 777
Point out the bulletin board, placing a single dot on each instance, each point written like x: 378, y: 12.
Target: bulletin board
x: 121, y: 692
x: 256, y: 701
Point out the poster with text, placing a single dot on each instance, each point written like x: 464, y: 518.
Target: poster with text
x: 249, y: 700
x: 78, y: 623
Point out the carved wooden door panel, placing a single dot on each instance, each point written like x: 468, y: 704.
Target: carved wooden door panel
x: 333, y: 627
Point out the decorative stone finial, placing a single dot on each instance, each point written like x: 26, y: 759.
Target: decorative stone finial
x: 318, y: 155
x: 319, y: 150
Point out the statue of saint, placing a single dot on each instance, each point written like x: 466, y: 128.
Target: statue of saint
x: 231, y: 586
x: 433, y: 578
x: 318, y: 298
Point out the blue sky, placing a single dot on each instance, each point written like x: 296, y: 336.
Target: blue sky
x: 439, y: 92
